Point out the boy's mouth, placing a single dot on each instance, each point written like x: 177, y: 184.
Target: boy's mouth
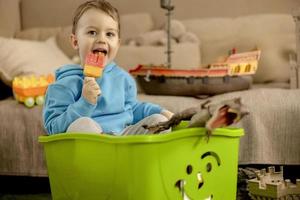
x: 100, y: 50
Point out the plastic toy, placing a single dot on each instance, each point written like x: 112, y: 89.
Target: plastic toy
x: 31, y: 89
x: 216, y: 78
x: 271, y: 186
x: 94, y: 64
x: 209, y: 115
x: 235, y: 65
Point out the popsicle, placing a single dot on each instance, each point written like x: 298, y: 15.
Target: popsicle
x: 94, y: 64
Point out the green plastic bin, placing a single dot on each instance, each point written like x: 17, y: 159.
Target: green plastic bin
x: 173, y: 166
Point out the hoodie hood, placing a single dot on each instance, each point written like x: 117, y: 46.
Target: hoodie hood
x: 68, y: 70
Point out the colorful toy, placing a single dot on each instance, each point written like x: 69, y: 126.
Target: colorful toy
x: 235, y: 65
x: 31, y: 89
x: 271, y: 185
x: 216, y: 78
x: 94, y: 65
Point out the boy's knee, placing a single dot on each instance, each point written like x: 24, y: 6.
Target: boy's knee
x: 85, y: 120
x: 84, y: 124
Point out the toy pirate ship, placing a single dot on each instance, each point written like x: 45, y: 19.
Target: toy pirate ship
x: 271, y: 186
x: 232, y: 75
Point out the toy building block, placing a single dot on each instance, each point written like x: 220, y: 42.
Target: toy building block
x: 271, y: 186
x: 94, y: 64
x: 31, y: 89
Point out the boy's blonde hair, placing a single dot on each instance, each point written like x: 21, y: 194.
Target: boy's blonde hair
x: 98, y: 4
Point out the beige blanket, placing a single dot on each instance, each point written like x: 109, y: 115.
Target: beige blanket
x: 20, y: 152
x: 272, y: 129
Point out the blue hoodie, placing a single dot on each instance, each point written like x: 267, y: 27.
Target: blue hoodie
x: 116, y: 108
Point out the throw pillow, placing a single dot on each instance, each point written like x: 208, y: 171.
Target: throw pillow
x: 62, y: 35
x: 135, y: 24
x: 273, y: 65
x: 20, y: 57
x: 39, y: 34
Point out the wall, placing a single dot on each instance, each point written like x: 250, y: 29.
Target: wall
x: 58, y: 12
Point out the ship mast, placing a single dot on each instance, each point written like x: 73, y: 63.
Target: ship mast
x: 166, y: 4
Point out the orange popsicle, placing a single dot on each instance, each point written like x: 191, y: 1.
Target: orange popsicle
x: 94, y: 64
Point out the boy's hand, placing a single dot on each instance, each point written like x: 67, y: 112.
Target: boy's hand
x: 90, y: 90
x: 167, y: 114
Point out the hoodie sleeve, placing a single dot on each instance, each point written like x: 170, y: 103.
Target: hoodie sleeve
x: 140, y: 109
x: 62, y: 108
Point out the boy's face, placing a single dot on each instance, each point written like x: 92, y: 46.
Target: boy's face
x: 96, y: 32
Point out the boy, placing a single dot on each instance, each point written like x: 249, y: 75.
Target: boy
x: 76, y: 103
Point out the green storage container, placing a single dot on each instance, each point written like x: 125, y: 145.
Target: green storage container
x: 178, y: 165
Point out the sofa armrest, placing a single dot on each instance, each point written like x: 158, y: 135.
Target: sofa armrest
x: 295, y: 62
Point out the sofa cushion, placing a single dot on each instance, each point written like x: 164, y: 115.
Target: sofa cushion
x: 274, y: 63
x: 47, y: 13
x: 185, y: 55
x: 274, y: 34
x: 58, y: 13
x: 62, y: 35
x: 9, y: 17
x: 217, y: 36
x: 19, y: 57
x: 134, y: 24
x: 63, y: 40
x: 38, y: 34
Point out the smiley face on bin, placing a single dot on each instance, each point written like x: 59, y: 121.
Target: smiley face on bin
x: 198, y: 180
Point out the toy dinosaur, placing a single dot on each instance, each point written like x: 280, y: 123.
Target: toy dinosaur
x: 209, y: 115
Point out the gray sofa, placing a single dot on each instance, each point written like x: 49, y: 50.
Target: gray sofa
x: 272, y: 128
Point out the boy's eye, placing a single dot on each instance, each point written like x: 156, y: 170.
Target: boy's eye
x: 110, y: 34
x: 93, y: 33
